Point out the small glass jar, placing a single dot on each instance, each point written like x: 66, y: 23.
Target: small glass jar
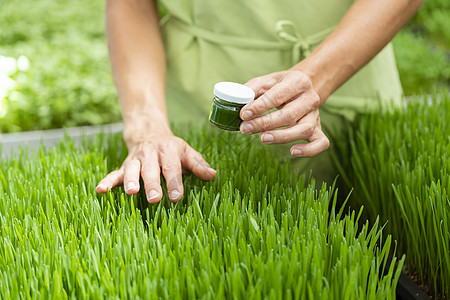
x: 229, y: 98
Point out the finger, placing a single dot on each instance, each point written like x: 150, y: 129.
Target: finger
x: 318, y: 144
x: 169, y: 157
x: 303, y: 130
x: 111, y: 180
x: 150, y: 173
x: 132, y: 169
x: 288, y: 115
x: 195, y: 163
x: 259, y: 85
x: 262, y: 84
x: 289, y: 87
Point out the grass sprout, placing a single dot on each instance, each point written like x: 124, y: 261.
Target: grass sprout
x: 399, y: 164
x: 257, y: 231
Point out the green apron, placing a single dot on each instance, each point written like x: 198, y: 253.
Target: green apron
x: 210, y: 41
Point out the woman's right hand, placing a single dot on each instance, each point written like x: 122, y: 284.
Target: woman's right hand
x: 139, y: 70
x: 148, y: 157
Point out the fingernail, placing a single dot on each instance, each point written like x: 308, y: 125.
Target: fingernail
x: 267, y: 138
x: 131, y: 185
x: 247, y: 128
x: 247, y: 114
x: 175, y: 194
x: 101, y: 186
x: 152, y: 195
x: 297, y: 152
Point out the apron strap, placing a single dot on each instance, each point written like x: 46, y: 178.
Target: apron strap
x: 290, y: 38
x: 301, y: 46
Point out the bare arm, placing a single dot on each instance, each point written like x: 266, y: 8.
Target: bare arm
x: 138, y: 64
x: 363, y: 32
x: 365, y: 29
x: 139, y: 71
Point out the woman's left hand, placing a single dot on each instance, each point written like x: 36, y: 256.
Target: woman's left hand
x: 297, y: 103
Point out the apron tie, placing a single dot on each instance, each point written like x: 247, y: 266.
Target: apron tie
x: 291, y: 39
x: 301, y: 46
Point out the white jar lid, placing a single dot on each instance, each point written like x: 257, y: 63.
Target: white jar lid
x: 234, y: 92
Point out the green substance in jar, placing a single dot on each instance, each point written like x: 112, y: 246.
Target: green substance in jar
x: 229, y: 98
x: 225, y: 115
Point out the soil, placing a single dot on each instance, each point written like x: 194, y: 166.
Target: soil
x: 414, y: 276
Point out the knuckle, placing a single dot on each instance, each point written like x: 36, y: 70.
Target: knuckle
x: 151, y: 186
x: 266, y: 122
x: 169, y: 168
x: 281, y: 96
x: 315, y: 100
x: 191, y: 155
x: 166, y: 145
x: 309, y: 129
x: 144, y: 170
x: 142, y: 153
x: 174, y: 181
x: 272, y: 99
x: 302, y: 80
x: 197, y: 161
x: 326, y: 143
x: 199, y: 158
x: 270, y: 82
x: 290, y: 116
x: 265, y: 101
x: 307, y: 84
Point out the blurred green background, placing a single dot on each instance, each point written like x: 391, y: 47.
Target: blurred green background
x: 54, y: 68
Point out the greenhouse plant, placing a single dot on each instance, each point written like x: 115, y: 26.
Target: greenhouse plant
x: 398, y: 165
x: 259, y: 230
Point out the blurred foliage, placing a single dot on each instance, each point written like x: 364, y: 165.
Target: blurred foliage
x: 69, y: 80
x: 422, y: 49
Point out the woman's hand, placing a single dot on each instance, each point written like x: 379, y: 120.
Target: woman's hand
x: 365, y: 29
x: 297, y: 103
x: 139, y: 70
x: 149, y: 157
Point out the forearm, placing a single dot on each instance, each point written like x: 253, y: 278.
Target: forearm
x: 138, y: 63
x: 366, y: 28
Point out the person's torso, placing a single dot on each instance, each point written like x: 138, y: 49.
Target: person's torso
x: 211, y: 41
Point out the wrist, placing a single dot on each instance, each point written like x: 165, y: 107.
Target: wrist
x: 326, y: 70
x: 318, y: 75
x: 145, y: 126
